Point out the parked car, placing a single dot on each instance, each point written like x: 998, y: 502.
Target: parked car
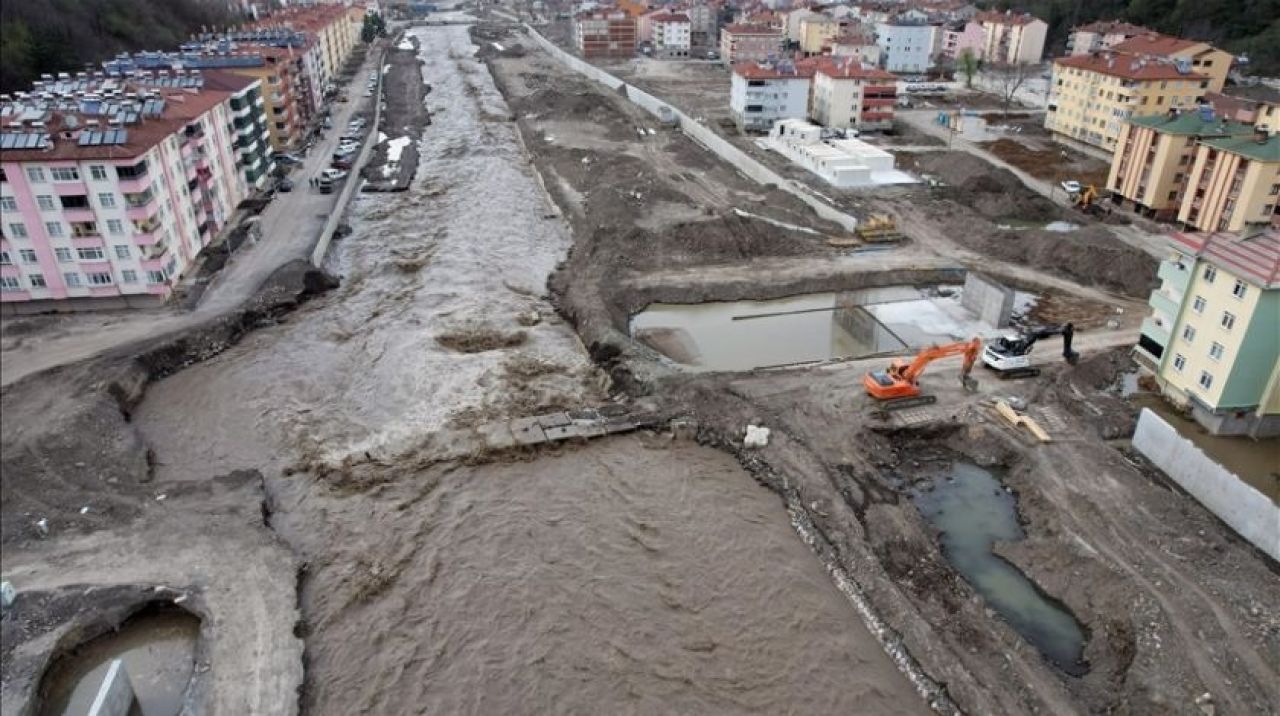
x: 285, y: 185
x: 325, y: 185
x: 1071, y: 186
x: 333, y: 174
x: 288, y: 159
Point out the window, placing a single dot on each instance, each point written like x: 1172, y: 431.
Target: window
x: 100, y: 279
x: 1210, y: 273
x: 1228, y: 320
x: 1216, y: 350
x: 53, y: 229
x: 10, y: 283
x: 84, y: 228
x: 115, y: 227
x: 28, y: 256
x: 128, y: 276
x: 1275, y: 189
x: 35, y: 174
x: 123, y: 252
x: 8, y: 203
x: 1239, y: 289
x: 72, y: 279
x: 18, y: 230
x: 4, y: 258
x: 1206, y: 380
x: 137, y: 171
x: 1188, y: 333
x: 62, y: 254
x: 98, y: 172
x: 37, y: 280
x: 1179, y: 362
x: 107, y: 200
x: 155, y: 277
x: 65, y: 174
x: 1198, y: 304
x: 46, y: 202
x: 93, y: 253
x: 77, y: 201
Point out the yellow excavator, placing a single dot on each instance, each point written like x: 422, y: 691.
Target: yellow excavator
x: 1087, y: 199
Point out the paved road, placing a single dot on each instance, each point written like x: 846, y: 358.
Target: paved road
x: 290, y: 226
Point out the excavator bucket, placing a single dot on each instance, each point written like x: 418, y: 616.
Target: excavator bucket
x: 969, y: 382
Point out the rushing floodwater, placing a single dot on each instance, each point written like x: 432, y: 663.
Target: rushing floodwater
x: 973, y: 511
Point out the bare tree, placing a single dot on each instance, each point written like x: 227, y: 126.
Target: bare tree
x: 1008, y: 79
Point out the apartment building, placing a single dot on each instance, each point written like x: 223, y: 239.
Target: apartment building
x: 1102, y: 35
x: 601, y: 34
x: 1211, y: 339
x: 1153, y: 160
x: 1199, y: 57
x: 1012, y: 38
x: 857, y: 45
x: 792, y: 19
x: 750, y: 43
x: 961, y: 37
x: 1258, y: 105
x: 111, y: 185
x: 703, y: 23
x: 1233, y: 184
x: 286, y: 89
x: 310, y: 82
x: 672, y: 35
x: 908, y: 46
x: 335, y: 29
x: 850, y: 95
x: 760, y: 95
x: 1091, y: 97
x: 817, y: 31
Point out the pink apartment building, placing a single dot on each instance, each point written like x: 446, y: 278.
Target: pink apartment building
x: 110, y: 185
x: 750, y: 43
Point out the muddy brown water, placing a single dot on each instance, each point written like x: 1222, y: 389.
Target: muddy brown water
x: 973, y: 511
x: 158, y: 651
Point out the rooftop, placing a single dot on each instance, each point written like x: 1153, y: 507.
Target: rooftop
x: 776, y: 71
x: 1128, y: 66
x: 1153, y: 43
x: 1113, y: 27
x: 1193, y: 123
x: 1251, y: 256
x: 1007, y: 17
x: 1254, y: 93
x: 669, y: 17
x: 850, y: 68
x: 1259, y: 150
x: 749, y: 29
x: 102, y: 116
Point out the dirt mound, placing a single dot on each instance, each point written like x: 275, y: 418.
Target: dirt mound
x: 478, y: 338
x: 578, y: 105
x: 993, y: 192
x: 1089, y: 390
x: 1090, y: 256
x: 725, y: 238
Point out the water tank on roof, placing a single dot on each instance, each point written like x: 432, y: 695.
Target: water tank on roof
x: 1206, y: 112
x: 1183, y: 64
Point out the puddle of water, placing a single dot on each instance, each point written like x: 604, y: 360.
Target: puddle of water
x: 972, y: 510
x: 158, y: 650
x: 742, y: 335
x: 1061, y: 226
x: 1128, y: 383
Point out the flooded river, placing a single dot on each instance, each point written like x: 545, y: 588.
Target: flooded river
x: 973, y: 511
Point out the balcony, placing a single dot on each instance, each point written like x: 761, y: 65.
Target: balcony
x: 1175, y: 276
x: 1157, y: 329
x: 136, y: 185
x: 878, y: 102
x: 142, y: 212
x: 1165, y: 302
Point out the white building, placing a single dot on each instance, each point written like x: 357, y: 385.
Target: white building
x: 672, y: 34
x: 760, y: 95
x: 842, y: 163
x: 908, y: 47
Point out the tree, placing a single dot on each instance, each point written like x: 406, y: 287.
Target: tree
x: 1008, y: 79
x: 967, y: 63
x: 374, y: 26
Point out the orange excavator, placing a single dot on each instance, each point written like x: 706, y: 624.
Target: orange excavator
x: 899, y: 386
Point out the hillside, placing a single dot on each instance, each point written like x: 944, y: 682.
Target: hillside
x: 1240, y: 26
x: 39, y: 36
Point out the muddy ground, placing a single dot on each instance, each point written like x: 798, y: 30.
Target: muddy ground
x: 404, y: 114
x: 632, y: 572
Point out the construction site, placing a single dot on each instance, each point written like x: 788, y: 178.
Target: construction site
x: 590, y: 418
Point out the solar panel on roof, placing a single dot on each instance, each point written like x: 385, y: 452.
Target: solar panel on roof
x: 7, y: 140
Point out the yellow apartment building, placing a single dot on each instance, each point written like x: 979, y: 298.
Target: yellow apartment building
x: 1212, y: 340
x: 1012, y: 38
x: 1154, y: 156
x: 1234, y: 183
x: 1200, y: 57
x: 1093, y: 96
x: 817, y: 31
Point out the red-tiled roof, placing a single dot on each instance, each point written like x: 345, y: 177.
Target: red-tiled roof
x: 745, y: 29
x: 1132, y: 67
x: 1153, y: 43
x: 852, y: 69
x: 1253, y: 257
x: 669, y: 17
x: 793, y: 70
x: 1113, y: 27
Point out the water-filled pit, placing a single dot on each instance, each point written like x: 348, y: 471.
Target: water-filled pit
x: 742, y: 335
x: 972, y: 510
x: 157, y: 647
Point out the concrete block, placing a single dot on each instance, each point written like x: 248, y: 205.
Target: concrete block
x: 527, y: 431
x: 115, y: 697
x: 496, y: 435
x: 553, y: 420
x: 989, y: 299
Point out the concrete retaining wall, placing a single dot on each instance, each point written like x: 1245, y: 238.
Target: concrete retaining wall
x: 1249, y: 512
x: 699, y: 133
x: 353, y: 178
x: 991, y: 301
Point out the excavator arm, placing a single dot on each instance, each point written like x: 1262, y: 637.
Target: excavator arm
x: 969, y: 350
x: 897, y: 387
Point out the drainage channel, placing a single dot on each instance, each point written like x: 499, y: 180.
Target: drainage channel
x: 972, y: 510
